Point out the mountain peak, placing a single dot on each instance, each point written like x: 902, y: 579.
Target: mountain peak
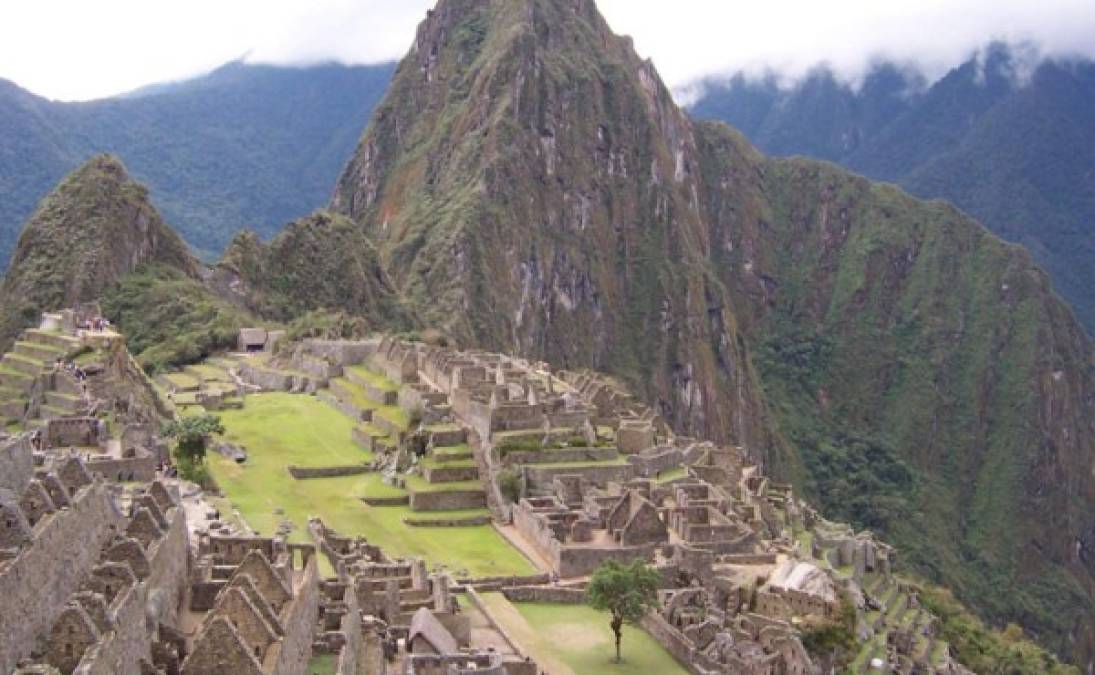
x: 94, y: 228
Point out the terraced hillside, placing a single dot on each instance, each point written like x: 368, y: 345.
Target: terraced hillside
x: 32, y: 388
x: 341, y: 431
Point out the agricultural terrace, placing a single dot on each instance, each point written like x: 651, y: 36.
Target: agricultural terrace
x: 278, y: 430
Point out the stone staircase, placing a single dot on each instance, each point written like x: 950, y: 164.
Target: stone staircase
x: 29, y: 363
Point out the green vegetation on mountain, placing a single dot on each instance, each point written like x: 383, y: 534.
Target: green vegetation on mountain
x: 531, y: 187
x: 96, y: 227
x: 170, y: 319
x: 244, y: 146
x: 1010, y: 140
x: 983, y: 650
x: 321, y: 262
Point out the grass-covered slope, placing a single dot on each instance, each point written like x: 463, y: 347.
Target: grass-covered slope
x: 532, y: 188
x: 96, y: 227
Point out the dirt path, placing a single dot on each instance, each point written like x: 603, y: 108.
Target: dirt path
x: 523, y: 634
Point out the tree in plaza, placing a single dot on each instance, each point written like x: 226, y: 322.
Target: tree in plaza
x: 626, y: 591
x: 191, y: 436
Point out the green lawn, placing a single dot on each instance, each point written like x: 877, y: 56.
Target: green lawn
x: 379, y: 381
x: 581, y: 638
x: 293, y: 429
x: 182, y: 380
x: 209, y: 372
x: 441, y: 454
x: 282, y: 429
x: 323, y: 664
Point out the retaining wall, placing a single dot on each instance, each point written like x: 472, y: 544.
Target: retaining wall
x: 561, y: 455
x: 448, y: 501
x: 451, y: 474
x: 308, y: 472
x: 555, y: 594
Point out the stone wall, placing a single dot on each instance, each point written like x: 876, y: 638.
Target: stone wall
x: 597, y: 474
x: 16, y: 465
x: 673, y: 640
x: 451, y: 474
x: 555, y: 594
x: 308, y: 472
x: 467, y: 521
x: 575, y: 561
x: 448, y: 501
x: 142, y: 468
x: 652, y: 463
x: 561, y: 455
x: 299, y: 622
x: 275, y: 380
x: 342, y: 352
x: 169, y: 563
x: 36, y: 584
x: 121, y: 649
x: 351, y: 630
x: 73, y: 431
x: 156, y: 598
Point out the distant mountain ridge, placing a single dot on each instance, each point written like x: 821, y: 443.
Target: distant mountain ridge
x: 244, y: 147
x: 1009, y: 141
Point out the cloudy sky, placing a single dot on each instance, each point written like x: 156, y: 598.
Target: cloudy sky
x: 83, y: 49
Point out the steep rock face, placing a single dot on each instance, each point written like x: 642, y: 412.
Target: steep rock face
x: 96, y: 227
x: 532, y: 188
x: 932, y: 382
x: 527, y: 185
x: 1006, y: 136
x: 318, y: 262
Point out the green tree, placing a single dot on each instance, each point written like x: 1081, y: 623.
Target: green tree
x: 627, y: 592
x: 192, y: 434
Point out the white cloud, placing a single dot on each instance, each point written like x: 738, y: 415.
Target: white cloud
x: 80, y: 49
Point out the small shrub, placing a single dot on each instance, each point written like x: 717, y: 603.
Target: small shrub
x: 509, y: 484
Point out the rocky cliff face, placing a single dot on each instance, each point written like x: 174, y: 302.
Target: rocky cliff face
x: 96, y: 227
x: 531, y: 187
x: 528, y: 183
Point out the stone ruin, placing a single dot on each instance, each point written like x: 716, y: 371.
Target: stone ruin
x: 257, y: 599
x: 394, y: 603
x: 113, y: 606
